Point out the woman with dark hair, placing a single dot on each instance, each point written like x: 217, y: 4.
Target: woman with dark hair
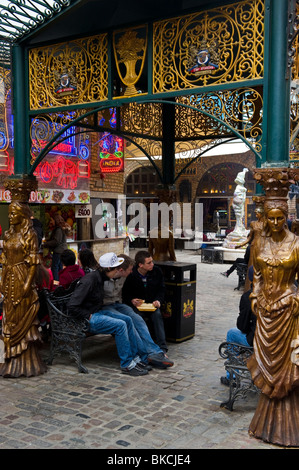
x: 57, y: 244
x: 274, y: 365
x: 87, y: 260
x: 20, y: 323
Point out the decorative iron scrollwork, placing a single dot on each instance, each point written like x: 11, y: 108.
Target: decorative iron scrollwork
x: 233, y: 49
x: 69, y: 73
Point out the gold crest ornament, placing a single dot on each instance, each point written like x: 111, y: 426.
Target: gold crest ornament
x: 66, y: 82
x: 203, y: 59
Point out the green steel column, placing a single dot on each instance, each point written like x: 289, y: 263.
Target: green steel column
x: 20, y: 111
x: 278, y: 110
x: 168, y: 143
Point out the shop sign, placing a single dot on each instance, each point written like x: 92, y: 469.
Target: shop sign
x: 52, y: 196
x: 111, y: 154
x: 112, y: 165
x: 83, y: 211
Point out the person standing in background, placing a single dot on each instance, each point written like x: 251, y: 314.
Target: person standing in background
x: 57, y: 244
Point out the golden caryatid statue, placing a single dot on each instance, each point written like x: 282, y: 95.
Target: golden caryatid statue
x: 274, y: 365
x: 161, y: 244
x: 161, y: 240
x: 20, y: 305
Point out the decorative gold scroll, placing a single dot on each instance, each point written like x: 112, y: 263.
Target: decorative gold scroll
x: 233, y: 36
x: 69, y: 73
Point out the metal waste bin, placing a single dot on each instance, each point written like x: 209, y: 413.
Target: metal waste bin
x: 180, y: 299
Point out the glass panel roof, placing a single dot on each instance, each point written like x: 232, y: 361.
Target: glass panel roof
x: 20, y: 17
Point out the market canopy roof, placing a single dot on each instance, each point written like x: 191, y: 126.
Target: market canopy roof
x: 18, y: 18
x: 33, y: 22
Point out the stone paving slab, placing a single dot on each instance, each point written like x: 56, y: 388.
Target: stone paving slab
x: 176, y: 408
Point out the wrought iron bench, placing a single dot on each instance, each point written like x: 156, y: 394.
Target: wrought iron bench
x: 240, y: 382
x: 210, y: 256
x: 67, y: 333
x: 241, y: 273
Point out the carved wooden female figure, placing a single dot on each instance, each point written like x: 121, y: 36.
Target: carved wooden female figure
x: 275, y: 301
x: 20, y: 306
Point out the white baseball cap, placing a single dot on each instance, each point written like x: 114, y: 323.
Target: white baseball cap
x: 110, y: 260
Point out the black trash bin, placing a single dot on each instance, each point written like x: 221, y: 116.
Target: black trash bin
x: 180, y: 300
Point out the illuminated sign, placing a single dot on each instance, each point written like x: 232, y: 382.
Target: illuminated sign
x: 6, y: 163
x: 65, y: 171
x: 111, y: 153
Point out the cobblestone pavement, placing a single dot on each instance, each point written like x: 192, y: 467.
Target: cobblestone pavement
x: 177, y: 408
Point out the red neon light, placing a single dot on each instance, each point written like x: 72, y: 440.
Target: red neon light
x: 6, y: 163
x: 65, y: 171
x: 111, y: 164
x: 63, y: 148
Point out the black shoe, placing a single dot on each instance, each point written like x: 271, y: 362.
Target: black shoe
x: 144, y: 366
x: 224, y: 274
x: 135, y: 371
x: 226, y: 381
x: 160, y: 360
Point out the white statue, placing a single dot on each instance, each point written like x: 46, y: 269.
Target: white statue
x: 239, y: 234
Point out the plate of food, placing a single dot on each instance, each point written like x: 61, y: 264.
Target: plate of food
x: 84, y: 197
x: 146, y: 307
x: 71, y: 197
x: 57, y: 196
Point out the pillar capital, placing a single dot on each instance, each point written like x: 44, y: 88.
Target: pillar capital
x: 21, y: 187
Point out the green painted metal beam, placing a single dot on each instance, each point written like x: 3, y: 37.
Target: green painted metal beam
x: 278, y: 100
x: 20, y: 112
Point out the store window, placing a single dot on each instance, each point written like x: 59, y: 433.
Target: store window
x: 142, y: 182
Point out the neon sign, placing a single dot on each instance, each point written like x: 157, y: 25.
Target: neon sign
x: 66, y: 171
x: 111, y: 153
x: 6, y: 163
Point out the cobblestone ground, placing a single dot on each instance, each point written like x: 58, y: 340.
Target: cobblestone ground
x: 177, y: 408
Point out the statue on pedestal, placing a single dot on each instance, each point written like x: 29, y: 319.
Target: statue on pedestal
x: 274, y: 364
x: 239, y: 234
x: 161, y: 240
x: 19, y: 260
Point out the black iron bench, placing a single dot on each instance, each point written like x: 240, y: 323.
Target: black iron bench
x: 240, y: 382
x: 67, y: 333
x: 241, y: 273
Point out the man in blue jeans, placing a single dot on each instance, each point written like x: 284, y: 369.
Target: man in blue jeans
x: 87, y: 302
x: 243, y: 334
x: 113, y: 284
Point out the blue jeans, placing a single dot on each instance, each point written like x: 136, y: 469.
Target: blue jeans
x: 56, y: 265
x: 106, y: 322
x: 146, y: 345
x: 158, y: 324
x: 234, y: 335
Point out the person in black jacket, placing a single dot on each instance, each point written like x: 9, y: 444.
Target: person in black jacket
x: 87, y: 302
x: 146, y: 285
x: 57, y: 243
x: 244, y: 260
x: 243, y: 334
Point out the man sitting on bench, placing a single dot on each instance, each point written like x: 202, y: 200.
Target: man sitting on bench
x: 243, y: 334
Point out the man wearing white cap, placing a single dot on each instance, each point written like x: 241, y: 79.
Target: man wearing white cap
x: 87, y: 302
x: 116, y: 269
